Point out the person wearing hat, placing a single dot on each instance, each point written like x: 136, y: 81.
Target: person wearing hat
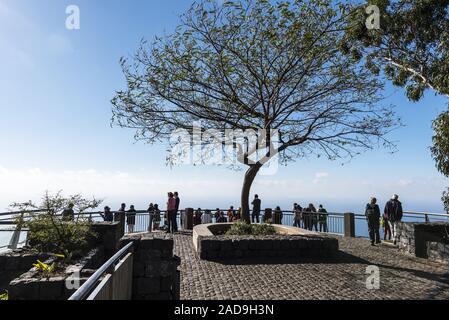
x: 107, y: 215
x: 393, y: 212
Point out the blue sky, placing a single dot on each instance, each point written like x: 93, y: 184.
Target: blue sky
x: 55, y: 91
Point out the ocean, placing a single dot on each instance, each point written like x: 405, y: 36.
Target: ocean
x: 335, y: 224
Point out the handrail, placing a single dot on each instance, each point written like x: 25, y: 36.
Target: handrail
x: 97, y: 213
x: 88, y: 286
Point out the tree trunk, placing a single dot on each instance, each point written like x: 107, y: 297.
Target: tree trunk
x: 250, y: 175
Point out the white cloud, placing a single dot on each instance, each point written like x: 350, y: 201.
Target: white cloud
x: 405, y: 182
x: 320, y: 177
x: 143, y: 186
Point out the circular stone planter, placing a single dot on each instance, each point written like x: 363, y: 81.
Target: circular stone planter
x: 211, y: 244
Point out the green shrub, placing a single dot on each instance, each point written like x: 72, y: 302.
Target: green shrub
x: 242, y: 228
x: 50, y: 233
x: 263, y: 229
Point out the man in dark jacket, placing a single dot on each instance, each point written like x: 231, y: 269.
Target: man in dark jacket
x: 372, y: 214
x: 68, y: 214
x: 177, y: 202
x: 256, y: 209
x: 393, y: 212
x: 322, y: 218
x: 107, y: 215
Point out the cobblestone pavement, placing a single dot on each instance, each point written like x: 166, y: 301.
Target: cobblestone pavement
x: 401, y: 276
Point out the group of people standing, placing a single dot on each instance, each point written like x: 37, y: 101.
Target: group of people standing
x: 310, y: 218
x: 205, y: 216
x: 391, y: 217
x: 272, y: 217
x: 154, y: 213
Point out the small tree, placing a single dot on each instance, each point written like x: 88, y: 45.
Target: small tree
x: 48, y: 232
x: 256, y: 65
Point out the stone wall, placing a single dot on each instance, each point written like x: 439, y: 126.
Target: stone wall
x: 109, y: 235
x: 155, y: 274
x: 14, y: 263
x: 18, y: 276
x: 428, y: 240
x: 282, y: 246
x: 32, y: 286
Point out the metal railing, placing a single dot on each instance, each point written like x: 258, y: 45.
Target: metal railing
x: 89, y: 286
x: 335, y: 221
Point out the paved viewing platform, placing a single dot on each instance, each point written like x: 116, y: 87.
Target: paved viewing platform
x: 401, y: 276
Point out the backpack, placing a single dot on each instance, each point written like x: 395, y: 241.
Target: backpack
x: 370, y: 211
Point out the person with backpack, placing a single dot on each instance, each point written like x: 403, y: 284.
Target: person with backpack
x: 372, y: 213
x: 131, y: 219
x: 393, y: 212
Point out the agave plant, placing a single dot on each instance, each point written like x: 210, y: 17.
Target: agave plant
x: 4, y: 296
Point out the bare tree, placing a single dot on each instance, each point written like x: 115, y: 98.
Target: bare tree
x: 255, y: 65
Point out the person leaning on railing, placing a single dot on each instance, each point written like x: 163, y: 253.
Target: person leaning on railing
x: 220, y: 217
x: 107, y: 215
x: 68, y: 214
x: 197, y: 215
x: 278, y: 215
x: 310, y: 218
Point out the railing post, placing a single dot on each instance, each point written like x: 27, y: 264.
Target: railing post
x: 187, y: 219
x: 120, y: 217
x: 349, y: 222
x: 14, y: 242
